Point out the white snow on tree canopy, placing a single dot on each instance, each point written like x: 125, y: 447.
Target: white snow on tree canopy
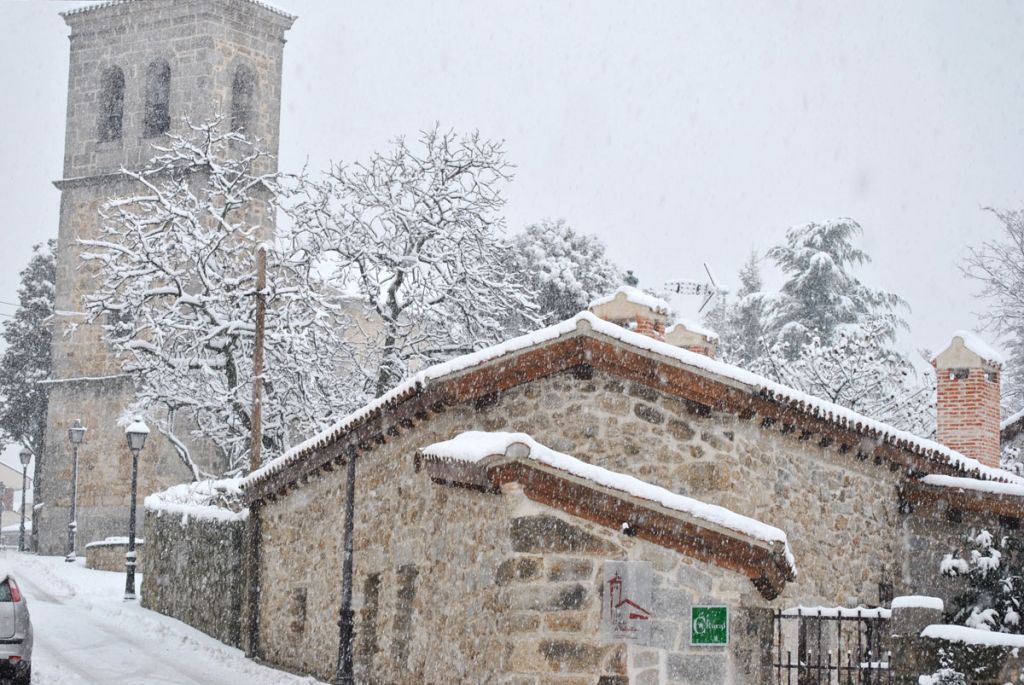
x: 207, y: 500
x: 636, y: 296
x: 476, y: 446
x: 588, y: 324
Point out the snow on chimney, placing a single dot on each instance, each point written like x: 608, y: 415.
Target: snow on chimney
x: 694, y: 337
x: 968, y: 397
x: 634, y: 309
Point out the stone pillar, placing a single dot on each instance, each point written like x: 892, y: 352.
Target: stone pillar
x: 913, y: 655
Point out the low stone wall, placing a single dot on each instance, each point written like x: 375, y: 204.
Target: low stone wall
x: 194, y: 571
x: 109, y: 554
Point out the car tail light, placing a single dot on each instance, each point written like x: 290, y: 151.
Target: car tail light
x: 15, y: 592
x: 13, y: 658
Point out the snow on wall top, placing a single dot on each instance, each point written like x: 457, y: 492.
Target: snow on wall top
x: 973, y: 342
x: 972, y: 636
x: 989, y: 486
x: 208, y: 500
x: 918, y: 602
x: 636, y: 296
x: 475, y: 446
x: 694, y: 327
x: 586, y: 323
x: 112, y: 3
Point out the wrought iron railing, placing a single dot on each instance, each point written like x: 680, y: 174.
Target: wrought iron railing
x: 832, y: 646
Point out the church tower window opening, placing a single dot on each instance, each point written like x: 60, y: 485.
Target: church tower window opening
x: 111, y: 104
x: 158, y: 99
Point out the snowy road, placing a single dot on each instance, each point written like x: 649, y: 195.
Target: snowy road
x: 85, y: 634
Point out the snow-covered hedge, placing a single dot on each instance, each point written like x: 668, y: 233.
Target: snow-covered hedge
x: 209, y: 500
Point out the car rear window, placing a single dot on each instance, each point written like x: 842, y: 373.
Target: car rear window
x: 5, y: 592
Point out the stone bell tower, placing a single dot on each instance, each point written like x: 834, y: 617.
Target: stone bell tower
x: 137, y: 68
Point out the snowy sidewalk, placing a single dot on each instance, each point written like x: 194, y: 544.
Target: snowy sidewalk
x: 85, y: 634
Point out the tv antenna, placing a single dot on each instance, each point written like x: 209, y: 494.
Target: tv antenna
x: 709, y: 289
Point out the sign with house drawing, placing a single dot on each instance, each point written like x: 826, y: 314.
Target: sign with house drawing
x: 625, y: 612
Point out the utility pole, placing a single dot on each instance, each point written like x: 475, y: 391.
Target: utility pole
x: 255, y: 448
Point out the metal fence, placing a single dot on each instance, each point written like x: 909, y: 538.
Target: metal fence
x: 832, y: 646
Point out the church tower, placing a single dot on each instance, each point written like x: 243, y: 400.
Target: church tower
x: 137, y: 68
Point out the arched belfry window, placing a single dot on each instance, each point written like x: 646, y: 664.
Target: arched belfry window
x: 243, y: 96
x: 111, y: 104
x: 157, y: 117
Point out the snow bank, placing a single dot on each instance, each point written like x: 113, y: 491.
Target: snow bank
x: 992, y: 487
x: 918, y: 602
x: 972, y: 636
x: 475, y: 446
x: 636, y: 296
x: 584, y: 322
x: 838, y: 612
x: 207, y: 500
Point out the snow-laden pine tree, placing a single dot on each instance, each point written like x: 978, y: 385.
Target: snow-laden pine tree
x: 991, y: 592
x: 565, y: 270
x: 26, y: 359
x: 740, y: 321
x: 820, y: 291
x: 414, y: 234
x: 176, y: 295
x: 998, y: 267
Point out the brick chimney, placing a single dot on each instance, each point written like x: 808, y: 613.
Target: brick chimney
x: 694, y: 337
x: 967, y: 407
x: 634, y: 309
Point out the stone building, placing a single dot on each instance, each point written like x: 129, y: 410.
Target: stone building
x: 503, y: 499
x: 137, y: 69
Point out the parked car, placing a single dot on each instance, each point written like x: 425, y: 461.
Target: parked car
x: 15, y: 633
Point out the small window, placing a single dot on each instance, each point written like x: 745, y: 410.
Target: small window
x: 5, y: 592
x: 959, y: 374
x: 992, y: 376
x: 243, y: 94
x: 111, y: 104
x: 158, y: 99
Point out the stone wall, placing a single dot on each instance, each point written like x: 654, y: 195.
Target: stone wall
x: 194, y: 571
x: 110, y: 556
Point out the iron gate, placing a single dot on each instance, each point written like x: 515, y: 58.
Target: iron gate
x: 833, y: 646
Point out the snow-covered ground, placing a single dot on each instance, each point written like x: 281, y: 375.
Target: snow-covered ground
x: 86, y: 634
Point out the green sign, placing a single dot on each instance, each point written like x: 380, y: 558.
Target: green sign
x: 709, y: 625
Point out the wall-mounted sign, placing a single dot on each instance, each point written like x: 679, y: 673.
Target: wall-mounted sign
x: 625, y: 612
x: 709, y: 625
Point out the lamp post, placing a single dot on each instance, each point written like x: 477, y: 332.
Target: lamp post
x: 76, y: 434
x: 26, y: 456
x: 136, y: 433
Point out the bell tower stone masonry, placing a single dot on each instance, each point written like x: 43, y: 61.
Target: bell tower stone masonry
x: 137, y: 69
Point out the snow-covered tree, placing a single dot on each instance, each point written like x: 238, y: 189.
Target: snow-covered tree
x: 26, y: 359
x: 998, y: 266
x: 856, y: 370
x: 415, y: 234
x: 820, y: 292
x: 992, y: 589
x: 740, y: 321
x: 176, y: 295
x: 564, y: 270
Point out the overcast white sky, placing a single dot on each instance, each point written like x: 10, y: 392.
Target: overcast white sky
x: 679, y: 132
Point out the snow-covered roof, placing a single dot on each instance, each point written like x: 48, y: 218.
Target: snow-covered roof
x: 973, y: 342
x: 111, y: 3
x: 989, y: 486
x: 207, y: 500
x: 587, y: 324
x: 636, y: 296
x: 476, y: 446
x: 693, y: 327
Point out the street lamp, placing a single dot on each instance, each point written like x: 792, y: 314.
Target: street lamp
x: 26, y: 457
x: 136, y: 433
x: 76, y: 434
